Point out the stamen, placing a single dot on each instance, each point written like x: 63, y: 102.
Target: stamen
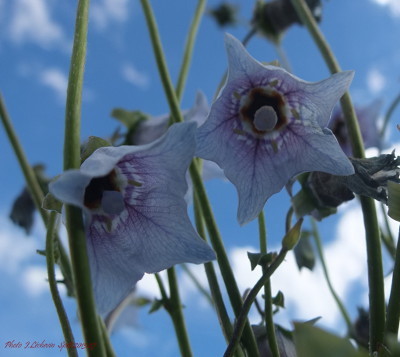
x: 265, y: 118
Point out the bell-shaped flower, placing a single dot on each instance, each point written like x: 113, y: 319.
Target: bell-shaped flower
x: 135, y: 214
x: 266, y: 126
x: 368, y: 121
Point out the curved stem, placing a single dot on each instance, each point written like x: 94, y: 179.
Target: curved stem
x: 187, y: 56
x: 74, y: 220
x: 197, y: 283
x: 34, y: 187
x: 335, y: 296
x: 374, y: 254
x: 268, y: 311
x: 161, y: 63
x: 389, y: 114
x: 230, y: 282
x: 233, y: 291
x: 62, y: 315
x: 218, y: 301
x: 241, y: 319
x: 393, y: 310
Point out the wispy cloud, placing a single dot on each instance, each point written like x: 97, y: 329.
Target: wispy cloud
x: 106, y: 12
x: 134, y: 76
x: 392, y: 5
x: 31, y: 21
x: 376, y: 81
x: 56, y: 80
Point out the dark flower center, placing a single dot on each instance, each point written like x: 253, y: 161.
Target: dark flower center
x: 94, y: 191
x: 264, y: 110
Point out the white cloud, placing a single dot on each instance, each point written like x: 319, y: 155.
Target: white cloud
x: 104, y: 12
x: 34, y: 280
x: 132, y: 75
x: 55, y: 80
x: 376, y: 81
x: 31, y: 22
x: 393, y: 5
x: 15, y: 246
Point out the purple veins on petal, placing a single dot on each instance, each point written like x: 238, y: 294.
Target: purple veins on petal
x: 135, y: 213
x: 267, y: 126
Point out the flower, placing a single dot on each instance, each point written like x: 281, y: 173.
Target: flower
x: 266, y: 126
x: 135, y: 215
x: 152, y: 128
x: 367, y: 119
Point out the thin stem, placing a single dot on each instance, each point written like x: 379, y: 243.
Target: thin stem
x: 161, y: 63
x: 249, y: 36
x: 335, y: 296
x: 30, y: 178
x: 160, y: 284
x: 389, y: 114
x: 223, y: 261
x: 308, y: 20
x: 387, y: 236
x: 34, y: 187
x: 175, y: 311
x: 74, y: 220
x: 190, y: 41
x: 241, y: 319
x: 62, y: 315
x: 393, y: 310
x: 268, y: 311
x: 197, y: 283
x: 218, y: 301
x: 230, y: 282
x: 374, y: 254
x: 107, y: 345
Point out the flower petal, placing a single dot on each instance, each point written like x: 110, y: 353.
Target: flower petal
x: 154, y: 231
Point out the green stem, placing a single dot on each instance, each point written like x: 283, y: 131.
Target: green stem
x: 374, y: 254
x: 242, y: 317
x: 29, y: 174
x: 190, y: 41
x: 387, y: 237
x: 393, y: 310
x: 223, y: 316
x: 197, y: 283
x: 62, y: 315
x: 175, y: 311
x: 335, y: 296
x: 160, y: 284
x: 74, y: 220
x: 161, y: 63
x: 248, y: 339
x: 389, y: 114
x: 268, y: 311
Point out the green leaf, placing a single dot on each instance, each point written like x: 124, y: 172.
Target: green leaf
x: 304, y: 252
x: 129, y: 118
x: 311, y: 341
x: 156, y: 305
x: 394, y: 200
x: 291, y: 238
x: 91, y: 146
x: 279, y: 299
x: 261, y: 259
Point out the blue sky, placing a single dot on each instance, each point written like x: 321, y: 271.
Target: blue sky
x: 35, y: 43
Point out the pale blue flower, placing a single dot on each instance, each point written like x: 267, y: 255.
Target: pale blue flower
x: 135, y: 214
x: 266, y: 126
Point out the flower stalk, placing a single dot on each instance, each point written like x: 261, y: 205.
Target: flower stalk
x: 268, y: 311
x: 72, y: 160
x: 233, y: 291
x: 374, y: 254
